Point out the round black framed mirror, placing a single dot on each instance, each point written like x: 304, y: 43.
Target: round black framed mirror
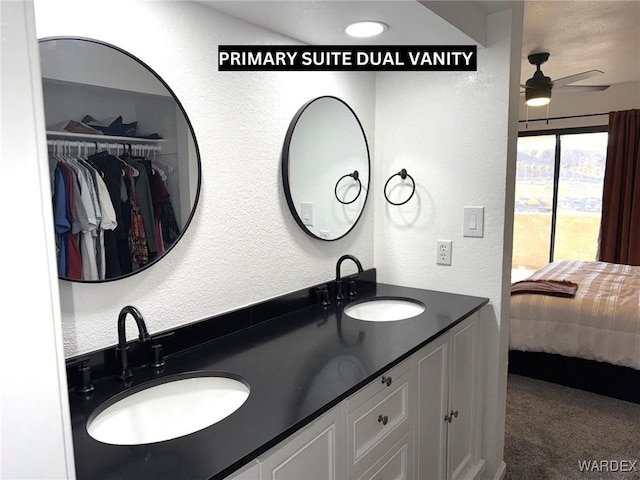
x: 124, y: 160
x: 326, y: 168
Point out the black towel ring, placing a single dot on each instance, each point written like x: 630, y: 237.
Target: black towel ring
x: 403, y: 175
x: 356, y: 176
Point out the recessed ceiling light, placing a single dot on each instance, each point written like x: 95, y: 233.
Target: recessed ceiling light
x: 365, y: 29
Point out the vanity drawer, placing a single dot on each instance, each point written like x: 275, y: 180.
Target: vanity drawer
x: 377, y: 424
x: 384, y: 382
x: 396, y: 464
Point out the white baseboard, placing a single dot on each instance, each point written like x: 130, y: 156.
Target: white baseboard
x: 474, y: 472
x: 502, y: 471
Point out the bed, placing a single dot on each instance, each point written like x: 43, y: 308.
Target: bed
x: 590, y: 340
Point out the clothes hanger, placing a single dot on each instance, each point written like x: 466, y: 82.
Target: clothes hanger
x: 66, y: 153
x: 85, y: 160
x: 57, y: 151
x: 168, y: 168
x: 131, y: 168
x: 131, y: 155
x: 160, y: 172
x: 154, y: 164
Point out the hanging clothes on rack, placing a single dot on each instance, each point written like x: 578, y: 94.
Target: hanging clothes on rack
x: 90, y: 214
x: 160, y: 197
x: 61, y: 219
x: 89, y: 228
x: 165, y: 218
x: 106, y: 211
x: 145, y: 203
x: 112, y: 171
x: 108, y: 222
x: 137, y: 239
x: 74, y: 259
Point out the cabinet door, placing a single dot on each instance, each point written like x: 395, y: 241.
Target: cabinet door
x: 316, y: 453
x: 462, y: 445
x: 431, y: 427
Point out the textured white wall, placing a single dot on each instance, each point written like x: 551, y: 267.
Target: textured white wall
x: 454, y: 140
x: 242, y: 246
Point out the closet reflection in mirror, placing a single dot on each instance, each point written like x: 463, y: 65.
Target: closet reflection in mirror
x: 325, y: 168
x: 124, y: 161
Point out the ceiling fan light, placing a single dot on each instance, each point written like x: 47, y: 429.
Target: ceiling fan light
x: 538, y: 102
x: 537, y: 97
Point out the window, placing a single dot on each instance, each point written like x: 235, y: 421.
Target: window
x: 558, y: 202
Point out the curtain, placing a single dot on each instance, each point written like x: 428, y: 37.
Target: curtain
x: 620, y: 225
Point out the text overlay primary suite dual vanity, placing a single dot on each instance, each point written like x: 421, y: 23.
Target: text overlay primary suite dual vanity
x: 347, y: 379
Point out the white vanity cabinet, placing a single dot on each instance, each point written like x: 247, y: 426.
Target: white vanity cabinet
x: 447, y: 440
x: 377, y: 417
x: 315, y: 453
x: 418, y: 420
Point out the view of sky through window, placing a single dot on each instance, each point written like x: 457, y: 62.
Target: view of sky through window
x: 579, y: 199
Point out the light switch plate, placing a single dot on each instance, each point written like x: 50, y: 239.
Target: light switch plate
x: 473, y: 222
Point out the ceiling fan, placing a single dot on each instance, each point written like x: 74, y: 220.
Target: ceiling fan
x: 537, y: 90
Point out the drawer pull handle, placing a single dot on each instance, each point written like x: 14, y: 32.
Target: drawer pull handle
x: 386, y: 380
x: 449, y: 418
x: 383, y: 419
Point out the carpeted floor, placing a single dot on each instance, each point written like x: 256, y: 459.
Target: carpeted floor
x: 550, y: 429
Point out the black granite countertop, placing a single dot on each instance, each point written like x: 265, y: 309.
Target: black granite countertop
x: 291, y: 365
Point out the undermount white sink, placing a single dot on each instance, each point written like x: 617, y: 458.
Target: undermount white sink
x: 169, y: 410
x: 385, y: 309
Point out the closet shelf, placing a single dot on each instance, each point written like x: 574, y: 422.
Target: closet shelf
x: 102, y: 138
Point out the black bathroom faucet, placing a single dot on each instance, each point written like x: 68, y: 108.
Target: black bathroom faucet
x: 339, y: 294
x: 124, y: 371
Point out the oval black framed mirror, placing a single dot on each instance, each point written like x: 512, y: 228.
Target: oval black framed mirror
x: 124, y: 160
x: 326, y: 168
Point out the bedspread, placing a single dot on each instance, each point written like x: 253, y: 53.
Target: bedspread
x: 602, y: 321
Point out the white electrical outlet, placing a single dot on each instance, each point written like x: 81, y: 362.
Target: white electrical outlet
x: 443, y: 252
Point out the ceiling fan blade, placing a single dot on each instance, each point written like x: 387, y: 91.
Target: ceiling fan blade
x: 559, y: 82
x: 582, y: 88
